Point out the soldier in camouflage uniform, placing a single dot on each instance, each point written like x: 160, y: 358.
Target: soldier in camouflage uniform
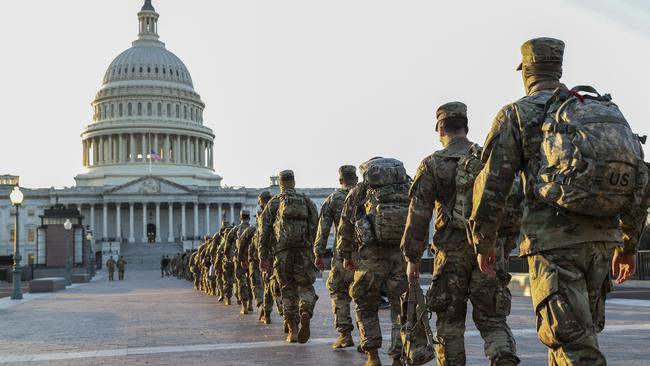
x: 568, y: 254
x: 269, y: 281
x: 218, y: 258
x: 377, y: 263
x: 339, y: 279
x: 248, y: 258
x: 240, y: 254
x: 292, y: 218
x: 225, y: 257
x: 456, y: 277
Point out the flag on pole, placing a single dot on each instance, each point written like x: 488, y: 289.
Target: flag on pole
x: 155, y: 156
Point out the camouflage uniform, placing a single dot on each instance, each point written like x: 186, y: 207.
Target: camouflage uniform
x: 339, y: 279
x: 269, y: 281
x: 241, y: 266
x: 378, y: 264
x: 218, y: 254
x: 456, y: 276
x: 110, y: 266
x: 247, y: 256
x: 568, y: 255
x: 294, y: 262
x: 228, y: 242
x: 121, y: 266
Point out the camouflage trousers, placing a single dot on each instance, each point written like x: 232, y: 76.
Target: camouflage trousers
x: 338, y: 284
x: 296, y: 274
x: 569, y: 286
x: 120, y: 275
x: 242, y: 283
x: 378, y: 265
x: 256, y: 284
x: 272, y: 293
x: 228, y: 278
x: 110, y: 274
x: 218, y: 280
x: 456, y: 278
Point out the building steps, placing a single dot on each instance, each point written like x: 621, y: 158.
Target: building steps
x: 146, y: 256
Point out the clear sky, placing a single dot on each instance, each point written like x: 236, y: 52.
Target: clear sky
x: 304, y: 84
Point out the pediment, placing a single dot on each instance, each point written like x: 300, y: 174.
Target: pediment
x: 149, y: 185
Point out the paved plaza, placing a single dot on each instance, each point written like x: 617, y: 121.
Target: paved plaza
x: 146, y: 320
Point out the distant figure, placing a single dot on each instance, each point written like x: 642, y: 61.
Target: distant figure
x: 121, y: 264
x: 110, y: 265
x: 164, y: 263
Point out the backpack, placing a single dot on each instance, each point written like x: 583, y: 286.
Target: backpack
x: 591, y: 163
x: 381, y: 219
x: 418, y: 344
x: 291, y: 226
x: 459, y: 209
x: 379, y: 172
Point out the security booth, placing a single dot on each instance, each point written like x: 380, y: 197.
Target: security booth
x: 59, y: 245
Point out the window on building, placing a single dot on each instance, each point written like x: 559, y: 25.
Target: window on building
x: 31, y: 212
x: 141, y: 69
x: 112, y: 110
x: 149, y: 109
x: 120, y: 109
x: 169, y: 110
x: 159, y: 109
x: 192, y: 114
x: 178, y: 111
x: 139, y: 109
x: 185, y: 111
x: 12, y: 234
x: 149, y: 69
x: 31, y: 235
x: 133, y: 69
x: 129, y: 109
x: 156, y: 69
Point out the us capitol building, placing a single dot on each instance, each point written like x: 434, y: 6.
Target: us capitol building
x: 149, y: 164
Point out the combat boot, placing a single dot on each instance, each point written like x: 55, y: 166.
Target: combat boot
x: 292, y: 336
x: 303, y: 334
x: 343, y: 341
x: 261, y: 315
x: 226, y: 301
x: 220, y: 299
x: 244, y: 309
x: 397, y: 362
x: 373, y: 357
x: 266, y: 319
x: 286, y: 327
x: 250, y: 305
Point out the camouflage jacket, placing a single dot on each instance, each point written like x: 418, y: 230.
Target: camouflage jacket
x: 330, y: 214
x: 253, y: 248
x: 244, y: 241
x: 346, y: 242
x: 434, y: 186
x: 270, y: 215
x: 230, y: 245
x: 220, y: 242
x: 513, y: 146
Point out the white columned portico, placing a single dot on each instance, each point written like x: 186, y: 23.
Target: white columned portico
x: 118, y: 222
x: 131, y: 236
x: 144, y: 222
x: 207, y: 220
x: 183, y: 234
x: 196, y: 220
x: 219, y: 216
x: 170, y: 210
x: 158, y: 222
x: 105, y: 221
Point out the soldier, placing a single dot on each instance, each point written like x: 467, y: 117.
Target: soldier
x: 217, y: 255
x: 240, y: 260
x: 121, y: 266
x: 568, y: 253
x: 226, y: 256
x: 162, y: 266
x: 444, y: 181
x: 270, y: 286
x: 293, y: 218
x: 372, y: 222
x: 251, y: 265
x: 339, y: 279
x: 110, y: 266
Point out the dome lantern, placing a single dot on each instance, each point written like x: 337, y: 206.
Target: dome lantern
x: 148, y: 22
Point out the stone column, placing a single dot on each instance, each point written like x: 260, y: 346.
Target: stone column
x: 167, y: 148
x: 101, y: 150
x: 187, y: 150
x: 232, y: 213
x: 144, y: 222
x: 144, y: 147
x: 92, y: 217
x: 105, y: 221
x: 207, y: 219
x: 120, y: 148
x: 131, y: 235
x: 158, y: 222
x: 177, y: 150
x: 83, y: 156
x: 219, y: 215
x: 132, y: 147
x: 183, y: 233
x: 170, y: 238
x: 118, y: 221
x: 196, y: 219
x: 110, y: 149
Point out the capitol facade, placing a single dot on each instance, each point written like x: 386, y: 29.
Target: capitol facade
x: 149, y: 164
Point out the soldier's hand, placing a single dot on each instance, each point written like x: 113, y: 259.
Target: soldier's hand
x: 486, y: 263
x: 265, y: 266
x: 244, y: 264
x: 413, y: 271
x: 319, y: 263
x: 349, y: 265
x: 623, y: 266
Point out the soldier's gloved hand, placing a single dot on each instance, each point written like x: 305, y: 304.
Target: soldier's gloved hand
x: 265, y: 266
x: 486, y: 262
x: 319, y: 263
x: 623, y: 266
x: 413, y: 271
x: 349, y: 265
x: 244, y: 264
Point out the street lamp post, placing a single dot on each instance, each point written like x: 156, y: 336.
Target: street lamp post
x: 68, y: 261
x: 91, y: 262
x: 16, y: 198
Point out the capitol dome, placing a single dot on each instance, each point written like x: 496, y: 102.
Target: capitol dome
x: 148, y: 119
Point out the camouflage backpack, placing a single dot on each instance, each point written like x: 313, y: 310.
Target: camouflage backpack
x: 459, y: 208
x: 418, y: 344
x: 381, y: 218
x: 291, y: 227
x: 591, y: 161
